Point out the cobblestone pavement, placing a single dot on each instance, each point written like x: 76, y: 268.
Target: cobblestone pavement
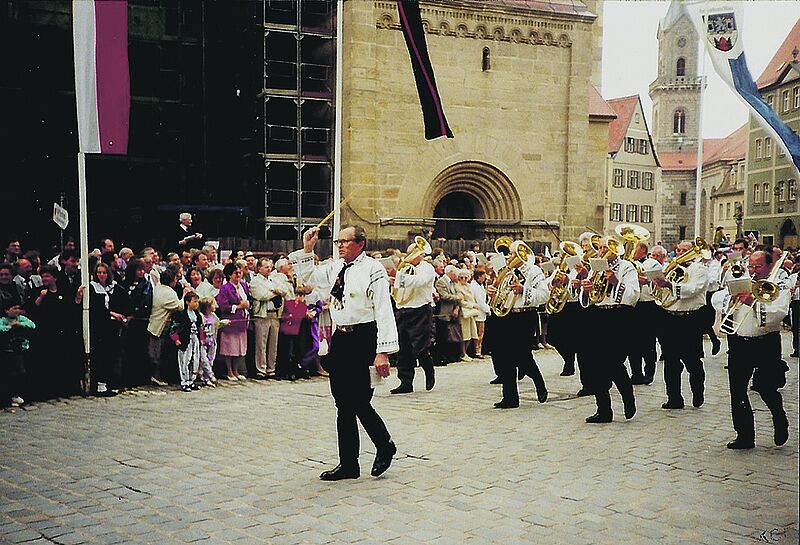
x: 240, y: 464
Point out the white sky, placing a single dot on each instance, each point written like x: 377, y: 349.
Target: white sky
x: 630, y: 55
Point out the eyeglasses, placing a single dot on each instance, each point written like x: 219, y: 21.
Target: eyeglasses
x: 343, y: 241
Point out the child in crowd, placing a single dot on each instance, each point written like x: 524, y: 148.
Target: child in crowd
x: 187, y: 332
x: 14, y: 342
x: 289, y: 349
x: 208, y: 348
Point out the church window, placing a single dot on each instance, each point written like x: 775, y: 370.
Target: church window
x: 756, y: 193
x: 619, y: 177
x: 679, y: 122
x: 767, y: 147
x: 616, y: 211
x: 486, y: 63
x: 683, y: 199
x: 680, y: 68
x: 632, y: 212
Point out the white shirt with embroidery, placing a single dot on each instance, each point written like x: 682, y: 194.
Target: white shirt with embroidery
x: 648, y: 265
x: 714, y: 268
x: 627, y: 290
x: 691, y: 293
x: 794, y: 289
x: 366, y: 294
x: 758, y: 320
x: 535, y: 286
x: 417, y: 288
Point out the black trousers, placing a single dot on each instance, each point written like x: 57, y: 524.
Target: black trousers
x: 642, y: 354
x: 563, y: 334
x: 760, y: 358
x: 512, y: 342
x: 348, y: 362
x: 682, y: 336
x: 794, y: 309
x: 414, y: 330
x: 607, y: 364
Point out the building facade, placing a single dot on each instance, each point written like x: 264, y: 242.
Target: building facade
x: 633, y: 177
x: 771, y: 204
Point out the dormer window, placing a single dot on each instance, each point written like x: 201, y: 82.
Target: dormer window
x: 680, y: 68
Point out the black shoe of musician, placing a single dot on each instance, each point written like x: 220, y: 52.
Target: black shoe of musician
x: 794, y: 355
x: 506, y: 405
x: 781, y: 430
x: 567, y: 372
x: 383, y: 460
x: 715, y: 347
x: 520, y: 373
x: 598, y: 418
x: 638, y: 379
x: 630, y: 409
x: 698, y: 399
x: 496, y: 380
x: 583, y: 392
x: 648, y: 379
x: 340, y: 472
x: 430, y: 380
x: 672, y: 405
x: 402, y: 389
x: 739, y: 444
x: 541, y: 395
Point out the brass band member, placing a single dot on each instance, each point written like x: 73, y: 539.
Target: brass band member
x: 756, y: 346
x: 682, y: 332
x: 642, y: 356
x: 512, y: 334
x: 614, y: 315
x: 414, y: 321
x: 582, y: 319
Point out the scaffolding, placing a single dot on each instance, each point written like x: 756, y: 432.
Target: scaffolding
x: 298, y: 114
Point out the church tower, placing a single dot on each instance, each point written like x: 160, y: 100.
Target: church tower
x: 676, y: 91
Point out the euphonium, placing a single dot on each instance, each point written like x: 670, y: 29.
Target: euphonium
x: 421, y: 247
x: 631, y: 235
x: 503, y: 245
x: 675, y: 271
x: 503, y: 299
x: 764, y: 291
x: 560, y: 285
x: 599, y: 282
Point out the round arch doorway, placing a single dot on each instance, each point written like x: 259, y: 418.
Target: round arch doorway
x: 455, y: 216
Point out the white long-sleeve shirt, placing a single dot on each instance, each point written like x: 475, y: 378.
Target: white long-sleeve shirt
x: 627, y: 290
x: 648, y: 265
x: 758, y: 320
x: 479, y: 292
x: 535, y: 288
x: 366, y: 294
x: 691, y: 294
x: 417, y: 288
x: 794, y: 289
x: 714, y: 269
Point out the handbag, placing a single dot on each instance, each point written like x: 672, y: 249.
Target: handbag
x: 454, y: 332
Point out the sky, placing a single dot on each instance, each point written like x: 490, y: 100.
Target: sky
x: 629, y: 69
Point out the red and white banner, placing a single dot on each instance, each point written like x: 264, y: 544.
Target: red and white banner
x: 102, y: 80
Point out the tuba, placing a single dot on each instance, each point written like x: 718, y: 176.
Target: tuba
x: 631, y: 235
x: 599, y: 283
x: 560, y: 285
x: 503, y: 245
x: 675, y: 271
x: 421, y: 247
x: 503, y: 300
x: 764, y: 291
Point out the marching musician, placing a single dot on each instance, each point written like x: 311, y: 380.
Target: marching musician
x: 563, y: 325
x: 682, y: 332
x: 794, y: 306
x: 713, y: 270
x: 614, y: 314
x: 364, y: 334
x: 583, y: 315
x: 755, y: 351
x: 642, y: 356
x: 512, y: 334
x: 414, y: 320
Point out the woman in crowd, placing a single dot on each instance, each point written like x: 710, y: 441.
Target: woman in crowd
x: 210, y: 286
x: 478, y: 287
x: 195, y: 278
x: 139, y: 290
x: 468, y: 314
x: 233, y: 304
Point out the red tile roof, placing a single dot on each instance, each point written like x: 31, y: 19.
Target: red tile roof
x: 731, y: 148
x: 598, y: 107
x: 777, y: 66
x: 624, y: 108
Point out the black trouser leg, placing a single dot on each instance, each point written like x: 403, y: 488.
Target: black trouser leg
x: 620, y: 378
x: 739, y: 373
x: 603, y: 400
x: 533, y: 371
x: 673, y: 367
x: 405, y: 365
x: 794, y: 307
x: 697, y: 375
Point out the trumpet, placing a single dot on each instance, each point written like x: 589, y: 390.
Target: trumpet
x: 764, y: 291
x: 503, y: 300
x: 421, y: 247
x: 676, y: 271
x: 560, y: 288
x: 599, y: 282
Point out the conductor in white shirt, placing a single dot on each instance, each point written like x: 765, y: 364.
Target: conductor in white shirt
x: 364, y: 334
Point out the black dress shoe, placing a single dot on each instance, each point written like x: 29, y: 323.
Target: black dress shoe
x: 402, y: 389
x: 567, y: 372
x: 496, y: 380
x: 506, y: 405
x: 541, y: 395
x: 739, y: 444
x: 630, y: 409
x: 520, y: 373
x: 672, y: 405
x: 715, y: 347
x: 648, y: 379
x: 781, y: 431
x: 111, y: 393
x: 583, y: 392
x: 430, y: 380
x: 638, y: 379
x: 794, y: 355
x: 339, y: 472
x: 598, y: 418
x: 698, y: 399
x: 383, y: 460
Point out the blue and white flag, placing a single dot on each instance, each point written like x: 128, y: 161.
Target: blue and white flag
x: 719, y: 25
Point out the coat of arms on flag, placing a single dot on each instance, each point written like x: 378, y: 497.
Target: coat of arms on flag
x: 721, y: 30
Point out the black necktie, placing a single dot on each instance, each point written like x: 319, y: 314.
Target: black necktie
x: 337, y: 291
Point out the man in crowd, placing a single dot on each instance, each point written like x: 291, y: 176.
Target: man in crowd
x: 448, y: 328
x: 268, y: 296
x: 25, y: 278
x: 186, y: 235
x: 165, y: 302
x: 13, y: 251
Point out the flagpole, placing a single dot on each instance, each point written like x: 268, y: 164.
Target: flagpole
x: 84, y: 246
x: 337, y: 147
x: 698, y: 183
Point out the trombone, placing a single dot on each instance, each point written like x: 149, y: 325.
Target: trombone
x: 676, y: 271
x: 421, y: 247
x: 763, y: 291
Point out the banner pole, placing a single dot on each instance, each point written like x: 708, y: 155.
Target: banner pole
x: 337, y: 147
x: 84, y: 246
